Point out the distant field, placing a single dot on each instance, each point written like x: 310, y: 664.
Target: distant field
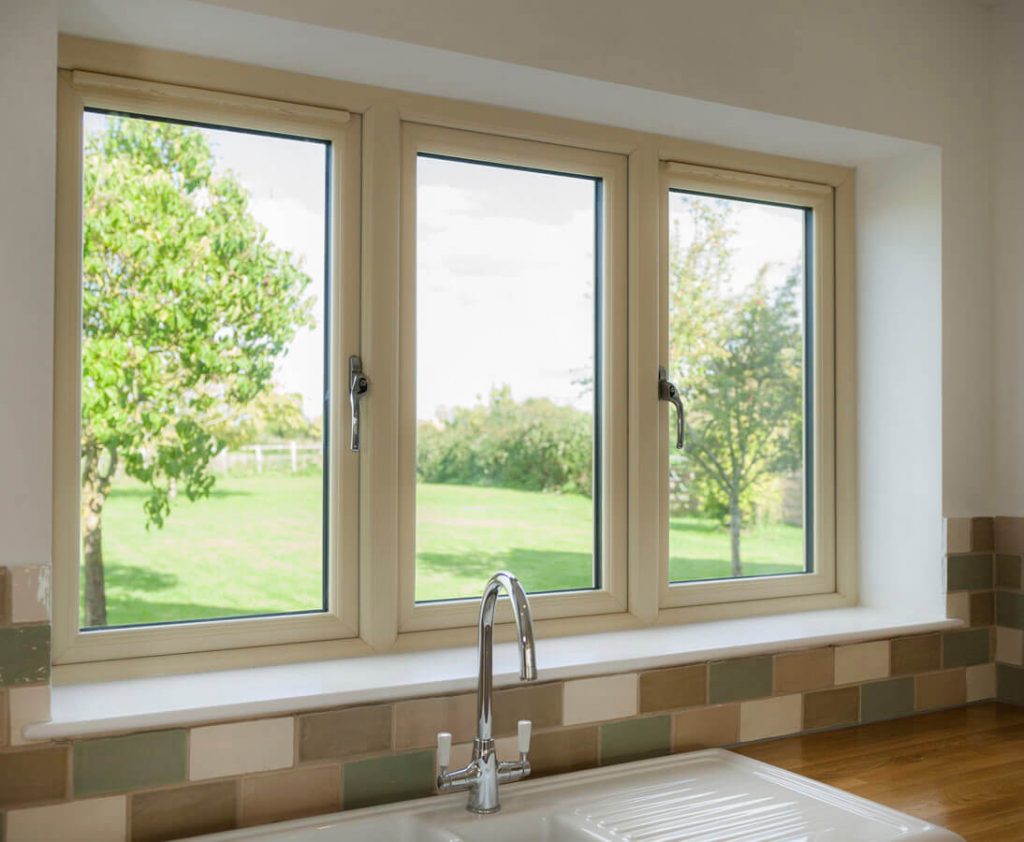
x: 254, y: 547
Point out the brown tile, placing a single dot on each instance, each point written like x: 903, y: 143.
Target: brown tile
x: 921, y: 653
x: 309, y: 791
x: 1009, y: 535
x: 828, y: 708
x: 678, y: 687
x: 5, y: 597
x: 166, y: 814
x: 797, y: 672
x: 709, y: 727
x: 5, y: 717
x: 39, y: 774
x: 418, y: 721
x: 982, y: 535
x: 345, y: 733
x: 983, y: 609
x: 564, y: 750
x: 1008, y: 572
x: 940, y: 689
x: 540, y: 703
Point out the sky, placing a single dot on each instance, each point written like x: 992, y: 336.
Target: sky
x: 504, y: 263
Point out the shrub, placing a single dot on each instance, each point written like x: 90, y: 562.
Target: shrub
x: 534, y: 445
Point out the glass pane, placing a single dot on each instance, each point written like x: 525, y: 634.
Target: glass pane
x: 506, y: 291
x: 738, y: 351
x: 204, y: 328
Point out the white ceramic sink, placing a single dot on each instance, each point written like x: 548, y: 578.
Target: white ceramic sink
x: 704, y: 796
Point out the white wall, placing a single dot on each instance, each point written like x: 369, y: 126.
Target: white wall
x: 28, y: 56
x: 1008, y: 251
x: 899, y: 306
x: 916, y: 69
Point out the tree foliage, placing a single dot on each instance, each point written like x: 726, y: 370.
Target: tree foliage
x: 739, y: 367
x: 534, y: 445
x: 186, y: 305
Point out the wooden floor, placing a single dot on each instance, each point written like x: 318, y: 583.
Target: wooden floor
x: 962, y: 769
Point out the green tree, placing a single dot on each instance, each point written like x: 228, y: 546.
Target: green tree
x: 186, y: 305
x: 738, y: 360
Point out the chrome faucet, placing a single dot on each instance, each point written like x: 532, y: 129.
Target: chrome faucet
x: 484, y: 772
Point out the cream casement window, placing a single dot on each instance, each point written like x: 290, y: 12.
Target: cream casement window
x: 508, y: 283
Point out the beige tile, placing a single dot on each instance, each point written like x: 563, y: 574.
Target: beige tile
x: 958, y: 606
x: 673, y: 688
x: 920, y: 653
x: 216, y: 751
x: 830, y: 708
x: 1009, y: 535
x: 309, y: 791
x: 345, y: 733
x: 182, y: 811
x: 981, y: 682
x: 540, y: 703
x: 39, y: 774
x: 958, y: 535
x: 862, y: 662
x: 796, y: 672
x: 1009, y: 646
x: 91, y: 820
x: 28, y: 705
x: 418, y: 721
x: 940, y: 689
x: 30, y: 594
x: 708, y: 727
x: 598, y: 699
x: 762, y: 719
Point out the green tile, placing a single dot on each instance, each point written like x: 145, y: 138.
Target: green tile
x: 886, y: 699
x: 379, y: 780
x: 635, y: 739
x: 969, y: 572
x: 1010, y: 684
x: 1008, y: 571
x: 966, y: 648
x: 136, y: 761
x: 24, y: 655
x: 1010, y: 609
x: 743, y: 678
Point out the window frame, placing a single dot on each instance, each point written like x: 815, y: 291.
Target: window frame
x: 611, y: 170
x: 820, y: 200
x: 78, y: 91
x: 370, y: 252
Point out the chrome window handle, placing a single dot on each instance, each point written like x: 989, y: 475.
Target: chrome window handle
x: 667, y: 391
x: 358, y: 385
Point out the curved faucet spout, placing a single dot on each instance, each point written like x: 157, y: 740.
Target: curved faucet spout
x: 524, y: 638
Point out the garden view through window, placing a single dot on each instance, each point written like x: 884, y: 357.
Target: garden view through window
x: 507, y: 377
x: 204, y: 328
x: 739, y: 352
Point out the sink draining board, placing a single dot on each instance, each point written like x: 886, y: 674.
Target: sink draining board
x: 705, y: 796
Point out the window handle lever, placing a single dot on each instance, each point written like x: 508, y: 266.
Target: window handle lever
x: 358, y: 386
x: 667, y: 391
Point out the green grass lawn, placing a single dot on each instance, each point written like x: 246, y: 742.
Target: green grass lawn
x: 254, y: 547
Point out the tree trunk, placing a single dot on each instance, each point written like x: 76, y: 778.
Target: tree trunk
x: 94, y: 494
x: 734, y: 535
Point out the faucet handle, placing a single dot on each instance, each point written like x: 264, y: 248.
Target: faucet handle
x: 523, y: 736
x: 444, y: 749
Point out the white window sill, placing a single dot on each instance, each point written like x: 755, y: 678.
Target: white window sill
x: 179, y: 700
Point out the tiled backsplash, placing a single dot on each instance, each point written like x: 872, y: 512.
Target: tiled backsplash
x: 177, y: 782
